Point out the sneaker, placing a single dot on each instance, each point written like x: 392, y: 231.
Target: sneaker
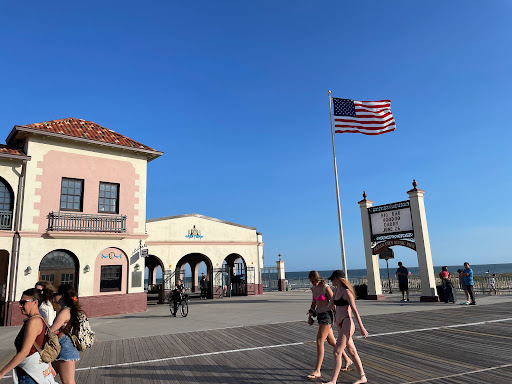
x: 473, y: 303
x: 407, y: 300
x: 464, y: 303
x: 402, y: 300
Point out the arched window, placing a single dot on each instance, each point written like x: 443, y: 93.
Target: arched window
x: 6, y: 205
x: 58, y: 267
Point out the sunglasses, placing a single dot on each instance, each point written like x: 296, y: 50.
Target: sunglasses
x: 23, y: 302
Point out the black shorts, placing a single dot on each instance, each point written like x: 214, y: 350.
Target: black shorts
x: 403, y: 286
x: 326, y: 317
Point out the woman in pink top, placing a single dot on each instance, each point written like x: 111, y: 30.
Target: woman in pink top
x: 322, y: 293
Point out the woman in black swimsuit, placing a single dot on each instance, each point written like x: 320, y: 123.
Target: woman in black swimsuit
x: 345, y: 305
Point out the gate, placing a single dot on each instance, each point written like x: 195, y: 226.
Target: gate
x: 269, y: 279
x: 221, y: 282
x: 251, y: 281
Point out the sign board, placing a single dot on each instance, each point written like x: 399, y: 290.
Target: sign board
x: 389, y: 243
x: 144, y: 253
x: 391, y: 221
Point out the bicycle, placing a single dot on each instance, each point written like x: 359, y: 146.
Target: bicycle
x: 182, y: 304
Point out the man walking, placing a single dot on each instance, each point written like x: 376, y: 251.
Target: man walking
x: 203, y: 284
x: 403, y: 281
x: 468, y: 280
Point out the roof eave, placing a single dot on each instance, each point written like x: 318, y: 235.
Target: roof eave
x: 151, y: 154
x: 14, y: 156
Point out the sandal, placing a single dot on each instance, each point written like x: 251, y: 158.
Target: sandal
x: 347, y: 368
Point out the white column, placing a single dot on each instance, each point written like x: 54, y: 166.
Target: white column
x: 425, y: 265
x: 280, y: 276
x: 372, y: 261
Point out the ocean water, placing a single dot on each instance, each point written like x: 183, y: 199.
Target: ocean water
x: 478, y: 270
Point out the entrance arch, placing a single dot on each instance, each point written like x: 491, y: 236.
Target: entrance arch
x: 60, y: 267
x: 194, y: 260
x: 152, y: 263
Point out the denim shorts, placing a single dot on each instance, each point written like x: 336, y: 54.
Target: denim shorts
x: 67, y: 349
x: 26, y: 380
x: 326, y: 318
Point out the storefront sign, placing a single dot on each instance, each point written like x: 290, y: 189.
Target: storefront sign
x: 391, y: 221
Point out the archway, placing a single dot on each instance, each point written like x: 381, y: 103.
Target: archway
x: 4, y: 264
x: 194, y: 260
x: 60, y: 267
x: 6, y: 204
x: 155, y: 275
x: 236, y: 268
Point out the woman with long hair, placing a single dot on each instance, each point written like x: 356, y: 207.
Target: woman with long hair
x: 322, y: 293
x: 27, y: 365
x: 46, y: 308
x: 344, y: 299
x: 65, y: 324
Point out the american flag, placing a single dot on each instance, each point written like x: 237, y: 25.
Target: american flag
x: 367, y: 117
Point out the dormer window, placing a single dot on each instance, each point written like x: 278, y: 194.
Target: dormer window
x: 108, y: 201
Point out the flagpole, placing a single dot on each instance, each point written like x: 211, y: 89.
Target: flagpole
x: 342, y: 245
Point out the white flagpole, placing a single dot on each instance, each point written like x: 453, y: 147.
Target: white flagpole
x: 343, y: 259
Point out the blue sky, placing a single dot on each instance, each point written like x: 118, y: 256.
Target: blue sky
x: 235, y: 94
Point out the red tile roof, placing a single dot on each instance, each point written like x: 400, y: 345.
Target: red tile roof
x: 86, y: 130
x: 4, y: 149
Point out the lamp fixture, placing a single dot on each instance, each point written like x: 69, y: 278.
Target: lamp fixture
x: 28, y: 270
x: 136, y: 267
x: 87, y: 268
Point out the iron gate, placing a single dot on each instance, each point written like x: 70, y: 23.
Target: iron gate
x: 269, y: 279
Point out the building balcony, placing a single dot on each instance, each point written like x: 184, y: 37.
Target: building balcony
x: 6, y: 220
x: 79, y: 222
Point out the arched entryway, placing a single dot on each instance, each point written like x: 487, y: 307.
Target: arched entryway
x: 194, y: 260
x: 4, y: 265
x: 235, y: 267
x: 154, y: 270
x: 60, y: 267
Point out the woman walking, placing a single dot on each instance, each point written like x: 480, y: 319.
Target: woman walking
x: 322, y: 293
x: 64, y: 325
x: 46, y: 308
x: 27, y: 366
x: 344, y: 299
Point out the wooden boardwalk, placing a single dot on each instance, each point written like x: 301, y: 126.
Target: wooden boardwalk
x: 456, y: 344
x: 459, y: 345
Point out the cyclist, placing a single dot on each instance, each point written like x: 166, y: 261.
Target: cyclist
x: 178, y: 290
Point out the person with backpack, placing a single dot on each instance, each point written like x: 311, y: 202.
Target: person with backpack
x: 46, y: 308
x: 27, y: 365
x: 67, y: 324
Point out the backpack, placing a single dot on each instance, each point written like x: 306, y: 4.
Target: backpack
x: 83, y: 337
x: 51, y: 345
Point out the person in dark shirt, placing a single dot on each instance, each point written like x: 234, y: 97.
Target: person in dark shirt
x: 203, y: 284
x: 403, y: 281
x: 179, y: 288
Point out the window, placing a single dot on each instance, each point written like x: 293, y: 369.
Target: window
x: 48, y: 277
x: 66, y: 278
x: 110, y: 278
x: 108, y: 201
x: 71, y: 194
x: 5, y: 198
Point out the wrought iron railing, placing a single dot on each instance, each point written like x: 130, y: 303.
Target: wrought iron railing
x: 5, y: 219
x: 79, y: 222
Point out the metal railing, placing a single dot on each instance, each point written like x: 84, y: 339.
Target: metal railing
x: 481, y: 284
x: 5, y: 219
x: 79, y: 222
